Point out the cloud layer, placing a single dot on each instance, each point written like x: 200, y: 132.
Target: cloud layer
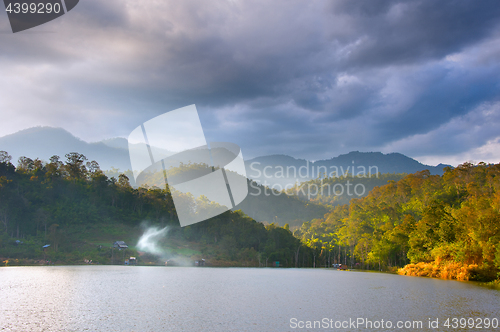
x: 307, y: 78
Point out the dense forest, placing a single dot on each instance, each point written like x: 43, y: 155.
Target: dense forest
x: 76, y: 208
x: 441, y: 226
x: 420, y: 224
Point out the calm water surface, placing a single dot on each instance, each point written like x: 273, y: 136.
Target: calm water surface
x: 127, y: 298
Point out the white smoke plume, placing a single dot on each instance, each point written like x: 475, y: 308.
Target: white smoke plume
x: 148, y: 242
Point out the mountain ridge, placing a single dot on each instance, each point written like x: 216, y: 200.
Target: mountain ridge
x: 284, y: 170
x: 43, y: 142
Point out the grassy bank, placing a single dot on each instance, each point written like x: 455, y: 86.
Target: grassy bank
x: 93, y: 244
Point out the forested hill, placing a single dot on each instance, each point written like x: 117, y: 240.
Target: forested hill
x: 73, y: 206
x: 445, y: 226
x: 340, y: 190
x: 267, y: 205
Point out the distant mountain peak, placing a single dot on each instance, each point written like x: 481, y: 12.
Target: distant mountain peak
x: 43, y: 142
x: 44, y: 130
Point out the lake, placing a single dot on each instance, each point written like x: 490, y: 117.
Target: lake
x: 133, y: 298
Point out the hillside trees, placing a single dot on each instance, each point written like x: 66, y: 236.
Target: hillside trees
x: 449, y: 222
x: 43, y: 201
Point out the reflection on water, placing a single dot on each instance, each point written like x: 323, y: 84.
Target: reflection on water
x: 122, y: 298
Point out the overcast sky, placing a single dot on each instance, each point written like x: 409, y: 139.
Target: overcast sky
x: 311, y: 79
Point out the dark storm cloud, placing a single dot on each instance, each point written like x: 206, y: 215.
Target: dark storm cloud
x: 450, y: 94
x: 398, y: 32
x: 311, y: 79
x: 458, y: 139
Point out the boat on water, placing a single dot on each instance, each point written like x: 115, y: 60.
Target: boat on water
x: 340, y: 267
